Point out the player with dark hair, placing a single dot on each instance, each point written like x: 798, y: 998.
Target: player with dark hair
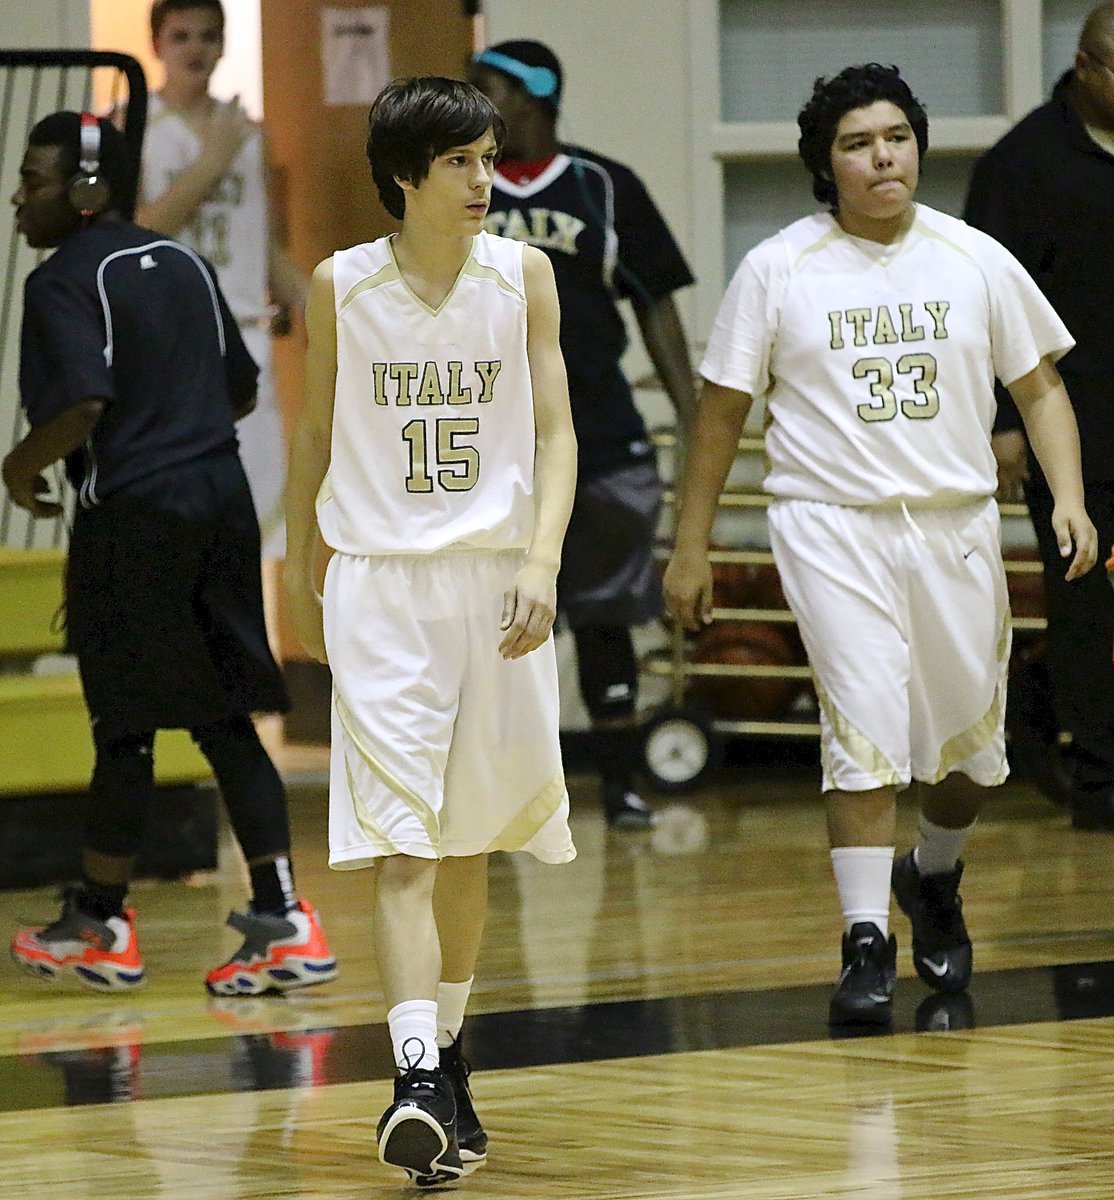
x: 436, y: 456
x: 161, y: 9
x: 608, y: 243
x: 416, y: 125
x: 133, y: 371
x: 831, y: 100
x: 56, y: 133
x: 874, y: 332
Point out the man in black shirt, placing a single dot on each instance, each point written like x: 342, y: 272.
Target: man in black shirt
x: 608, y: 243
x: 133, y: 370
x: 1046, y: 192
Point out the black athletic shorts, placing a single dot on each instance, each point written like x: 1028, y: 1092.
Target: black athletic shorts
x: 608, y: 575
x: 165, y: 605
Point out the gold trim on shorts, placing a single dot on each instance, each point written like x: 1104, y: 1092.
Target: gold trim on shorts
x: 855, y: 743
x: 324, y: 493
x: 410, y: 798
x: 975, y: 738
x: 379, y: 841
x: 529, y: 821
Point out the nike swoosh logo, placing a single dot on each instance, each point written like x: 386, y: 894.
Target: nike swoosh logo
x: 969, y: 552
x: 937, y: 970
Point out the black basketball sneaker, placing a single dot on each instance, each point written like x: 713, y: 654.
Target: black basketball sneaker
x: 418, y: 1131
x: 941, y: 947
x: 865, y: 988
x: 470, y: 1134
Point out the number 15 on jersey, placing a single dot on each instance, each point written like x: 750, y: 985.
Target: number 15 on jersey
x: 442, y: 456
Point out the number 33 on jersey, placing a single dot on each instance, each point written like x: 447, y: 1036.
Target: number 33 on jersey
x: 872, y: 357
x: 429, y: 451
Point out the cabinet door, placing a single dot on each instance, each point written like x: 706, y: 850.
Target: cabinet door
x: 328, y: 195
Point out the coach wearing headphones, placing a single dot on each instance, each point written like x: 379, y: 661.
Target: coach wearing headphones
x: 607, y: 241
x: 133, y: 370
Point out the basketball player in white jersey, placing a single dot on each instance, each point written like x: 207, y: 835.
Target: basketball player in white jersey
x: 875, y: 332
x: 436, y: 445
x: 204, y: 181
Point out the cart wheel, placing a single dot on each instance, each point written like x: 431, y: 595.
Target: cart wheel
x: 680, y: 749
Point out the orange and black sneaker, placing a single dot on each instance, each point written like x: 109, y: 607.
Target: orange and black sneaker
x: 278, y: 954
x: 104, y: 955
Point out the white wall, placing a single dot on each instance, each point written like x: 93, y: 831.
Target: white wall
x: 44, y: 23
x: 240, y: 71
x: 626, y: 91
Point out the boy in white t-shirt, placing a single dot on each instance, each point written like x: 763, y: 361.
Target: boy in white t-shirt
x: 206, y: 180
x: 436, y: 456
x: 875, y: 332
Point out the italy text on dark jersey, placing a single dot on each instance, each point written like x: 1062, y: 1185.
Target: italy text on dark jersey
x: 607, y: 241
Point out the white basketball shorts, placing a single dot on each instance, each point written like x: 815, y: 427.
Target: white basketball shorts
x: 905, y: 617
x: 439, y: 745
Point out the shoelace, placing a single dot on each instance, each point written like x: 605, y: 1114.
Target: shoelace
x: 943, y: 908
x: 412, y: 1064
x: 465, y: 1069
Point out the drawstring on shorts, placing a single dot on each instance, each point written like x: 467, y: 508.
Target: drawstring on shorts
x: 911, y: 523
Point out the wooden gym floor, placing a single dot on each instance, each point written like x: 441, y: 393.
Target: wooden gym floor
x: 650, y: 1024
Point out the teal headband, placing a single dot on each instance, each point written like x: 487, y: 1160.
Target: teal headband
x: 538, y: 81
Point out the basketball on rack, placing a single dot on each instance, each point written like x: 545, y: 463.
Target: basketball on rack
x: 745, y: 697
x: 764, y: 586
x: 732, y: 584
x: 1026, y: 588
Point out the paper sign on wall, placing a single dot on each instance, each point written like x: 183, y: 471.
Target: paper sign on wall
x: 355, y: 53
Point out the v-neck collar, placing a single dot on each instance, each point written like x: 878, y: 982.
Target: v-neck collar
x: 433, y: 312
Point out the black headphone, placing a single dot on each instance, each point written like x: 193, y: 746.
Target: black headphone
x: 89, y: 192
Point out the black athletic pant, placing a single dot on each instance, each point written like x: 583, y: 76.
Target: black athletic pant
x: 122, y: 789
x: 608, y: 671
x: 1080, y: 636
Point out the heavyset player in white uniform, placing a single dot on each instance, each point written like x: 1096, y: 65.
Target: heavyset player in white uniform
x: 231, y: 229
x: 875, y: 332
x: 874, y: 363
x: 431, y: 463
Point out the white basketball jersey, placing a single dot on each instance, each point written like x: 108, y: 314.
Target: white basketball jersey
x: 878, y: 361
x: 230, y: 227
x: 433, y: 425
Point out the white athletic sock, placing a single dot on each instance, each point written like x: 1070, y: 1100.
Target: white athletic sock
x: 862, y: 875
x: 938, y: 849
x: 413, y: 1026
x: 452, y: 999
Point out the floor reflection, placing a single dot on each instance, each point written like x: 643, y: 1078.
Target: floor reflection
x: 53, y: 1067
x: 246, y: 1062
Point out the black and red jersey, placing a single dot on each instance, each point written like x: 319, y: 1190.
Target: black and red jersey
x: 607, y: 242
